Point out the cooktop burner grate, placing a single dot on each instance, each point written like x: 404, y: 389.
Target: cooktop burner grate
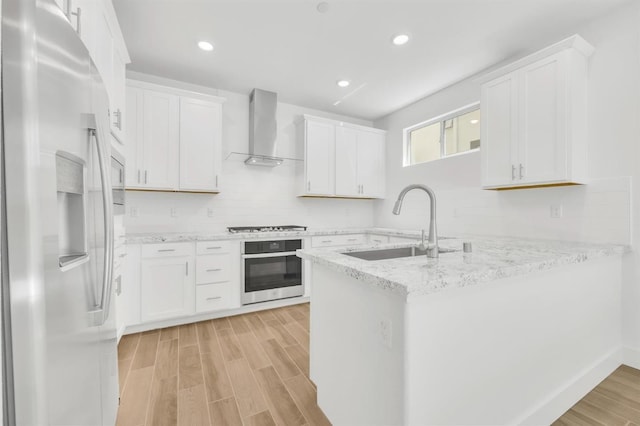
x: 281, y: 228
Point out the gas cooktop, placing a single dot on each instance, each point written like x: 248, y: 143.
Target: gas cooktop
x: 281, y: 228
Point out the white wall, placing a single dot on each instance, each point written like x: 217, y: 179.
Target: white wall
x: 599, y: 212
x: 249, y: 195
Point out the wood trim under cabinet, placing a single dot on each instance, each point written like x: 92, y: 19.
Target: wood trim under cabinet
x: 172, y: 191
x: 542, y: 185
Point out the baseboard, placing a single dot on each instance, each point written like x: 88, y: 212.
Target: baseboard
x: 558, y: 403
x: 137, y: 328
x: 120, y: 332
x: 631, y: 357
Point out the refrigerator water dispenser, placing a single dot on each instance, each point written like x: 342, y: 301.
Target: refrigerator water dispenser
x: 70, y: 180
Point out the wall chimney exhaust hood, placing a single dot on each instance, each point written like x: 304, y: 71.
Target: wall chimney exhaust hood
x: 263, y: 129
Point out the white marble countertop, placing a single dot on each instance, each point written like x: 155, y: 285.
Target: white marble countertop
x: 491, y: 259
x: 174, y: 237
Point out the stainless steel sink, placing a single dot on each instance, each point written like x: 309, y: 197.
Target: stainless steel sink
x: 393, y: 253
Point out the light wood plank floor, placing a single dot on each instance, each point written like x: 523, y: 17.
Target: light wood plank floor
x: 253, y: 369
x: 250, y: 369
x: 615, y: 401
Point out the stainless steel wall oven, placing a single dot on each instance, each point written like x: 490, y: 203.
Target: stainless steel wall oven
x: 271, y: 270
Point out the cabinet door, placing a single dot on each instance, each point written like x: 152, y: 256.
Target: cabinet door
x: 200, y: 145
x: 347, y: 184
x: 160, y: 117
x: 83, y: 17
x: 118, y: 103
x: 371, y: 147
x: 319, y: 158
x: 166, y: 288
x: 133, y: 134
x: 103, y: 52
x: 542, y: 114
x: 499, y: 132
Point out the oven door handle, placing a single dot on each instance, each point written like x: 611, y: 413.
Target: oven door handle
x: 263, y: 255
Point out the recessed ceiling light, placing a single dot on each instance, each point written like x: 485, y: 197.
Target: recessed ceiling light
x: 323, y: 7
x: 343, y: 83
x: 474, y: 121
x: 205, y: 45
x: 400, y: 39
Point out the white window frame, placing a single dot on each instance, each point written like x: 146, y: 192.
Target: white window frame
x: 406, y: 134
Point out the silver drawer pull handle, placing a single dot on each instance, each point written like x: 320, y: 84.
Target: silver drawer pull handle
x: 214, y: 248
x: 214, y: 270
x: 164, y: 250
x: 327, y: 241
x: 214, y: 298
x: 352, y: 239
x: 123, y: 255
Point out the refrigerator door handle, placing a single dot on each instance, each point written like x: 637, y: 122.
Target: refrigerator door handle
x: 101, y: 313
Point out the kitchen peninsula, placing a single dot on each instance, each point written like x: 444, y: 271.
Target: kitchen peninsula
x: 515, y: 331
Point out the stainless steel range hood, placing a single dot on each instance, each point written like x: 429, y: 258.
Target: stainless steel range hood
x: 263, y: 129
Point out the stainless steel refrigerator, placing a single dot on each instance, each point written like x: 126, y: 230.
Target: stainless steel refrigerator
x: 58, y: 330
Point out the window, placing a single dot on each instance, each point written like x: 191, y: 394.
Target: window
x: 449, y: 134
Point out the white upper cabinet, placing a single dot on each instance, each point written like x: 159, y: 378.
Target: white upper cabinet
x: 152, y: 140
x: 320, y: 139
x: 200, y: 144
x: 359, y: 163
x: 535, y: 118
x: 371, y: 163
x: 499, y: 130
x: 160, y: 115
x: 347, y: 183
x: 96, y: 23
x: 119, y: 97
x: 133, y: 135
x: 173, y: 140
x: 342, y: 160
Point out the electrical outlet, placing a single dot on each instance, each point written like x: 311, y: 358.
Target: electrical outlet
x: 386, y: 332
x: 133, y: 212
x: 556, y: 211
x: 174, y: 212
x: 210, y: 212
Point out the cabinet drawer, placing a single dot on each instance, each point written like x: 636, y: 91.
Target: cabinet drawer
x: 213, y: 247
x: 213, y: 268
x: 338, y: 240
x: 212, y: 297
x: 403, y: 239
x: 378, y: 239
x: 167, y: 250
x: 119, y: 253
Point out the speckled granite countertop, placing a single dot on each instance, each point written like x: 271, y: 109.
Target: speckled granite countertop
x: 491, y: 259
x: 158, y: 237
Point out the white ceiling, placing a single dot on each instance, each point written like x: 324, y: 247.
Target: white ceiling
x: 290, y: 48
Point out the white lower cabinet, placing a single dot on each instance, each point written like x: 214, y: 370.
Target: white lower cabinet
x: 338, y: 240
x: 212, y: 297
x: 173, y: 280
x: 217, y: 275
x: 403, y: 239
x: 167, y: 281
x: 378, y: 239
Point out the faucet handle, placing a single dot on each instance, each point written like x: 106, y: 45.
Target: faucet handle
x: 423, y: 246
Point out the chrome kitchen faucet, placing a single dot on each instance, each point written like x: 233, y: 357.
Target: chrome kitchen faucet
x: 432, y: 246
